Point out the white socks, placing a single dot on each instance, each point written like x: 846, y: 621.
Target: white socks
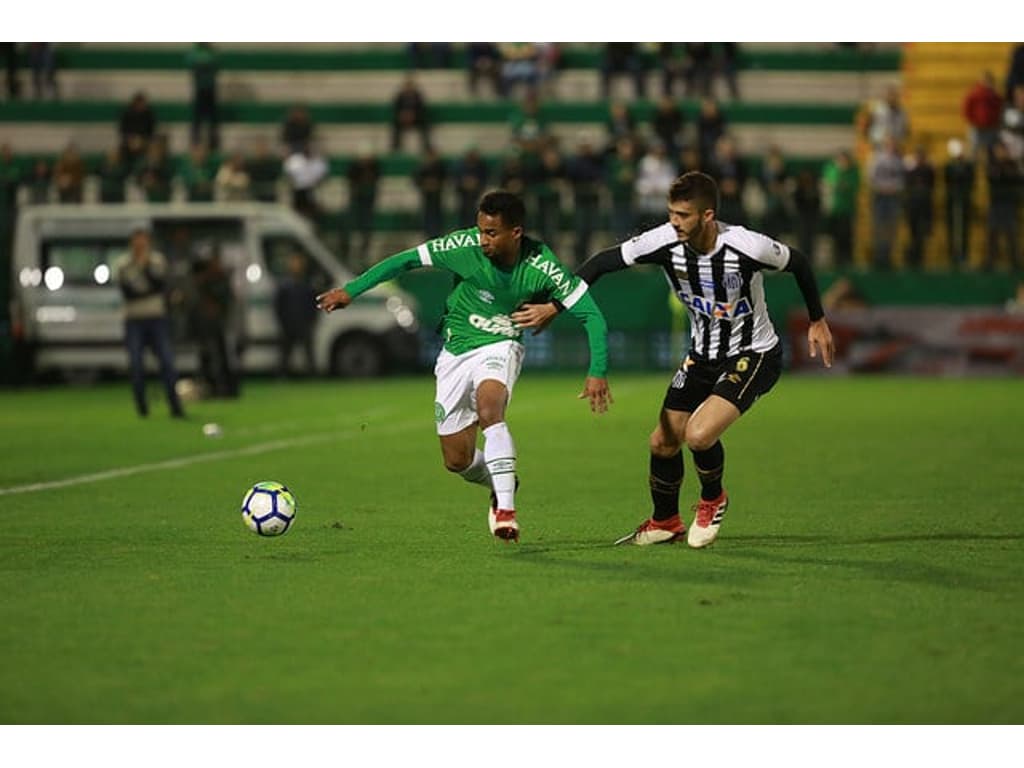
x: 500, y: 456
x: 477, y: 471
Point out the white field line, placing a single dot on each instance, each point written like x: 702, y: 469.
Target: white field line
x: 250, y: 450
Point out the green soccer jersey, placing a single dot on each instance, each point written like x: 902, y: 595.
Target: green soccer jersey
x: 478, y: 308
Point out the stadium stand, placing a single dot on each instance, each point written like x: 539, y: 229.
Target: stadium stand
x: 802, y: 98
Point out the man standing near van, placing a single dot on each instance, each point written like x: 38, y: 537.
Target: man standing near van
x: 142, y: 277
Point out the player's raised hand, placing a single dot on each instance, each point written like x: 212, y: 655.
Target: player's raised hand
x: 819, y: 338
x: 336, y: 298
x: 536, y: 316
x: 596, y: 391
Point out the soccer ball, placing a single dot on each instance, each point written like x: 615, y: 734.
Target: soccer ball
x: 268, y: 508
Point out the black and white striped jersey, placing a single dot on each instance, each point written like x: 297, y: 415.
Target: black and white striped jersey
x: 723, y: 290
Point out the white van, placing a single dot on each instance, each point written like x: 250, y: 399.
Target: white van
x: 66, y: 308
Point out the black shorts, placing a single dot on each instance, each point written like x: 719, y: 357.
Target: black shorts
x: 740, y: 379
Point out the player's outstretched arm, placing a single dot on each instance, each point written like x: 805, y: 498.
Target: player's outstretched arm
x: 336, y: 298
x: 819, y: 339
x: 595, y: 389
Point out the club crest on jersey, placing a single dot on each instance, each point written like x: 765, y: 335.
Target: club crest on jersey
x: 720, y: 310
x: 486, y: 296
x: 733, y: 281
x: 500, y: 325
x: 454, y: 240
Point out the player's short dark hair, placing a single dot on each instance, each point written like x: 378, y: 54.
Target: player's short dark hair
x: 505, y: 204
x: 697, y: 187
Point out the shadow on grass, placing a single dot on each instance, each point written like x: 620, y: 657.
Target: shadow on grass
x: 720, y: 564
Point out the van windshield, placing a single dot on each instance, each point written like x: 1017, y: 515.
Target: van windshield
x: 82, y: 262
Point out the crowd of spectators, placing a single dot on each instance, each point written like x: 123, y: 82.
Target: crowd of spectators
x: 575, y: 185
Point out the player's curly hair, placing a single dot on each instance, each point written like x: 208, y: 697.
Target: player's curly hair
x: 505, y: 204
x: 697, y: 187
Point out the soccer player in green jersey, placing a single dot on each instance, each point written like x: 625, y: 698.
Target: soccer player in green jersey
x: 497, y: 269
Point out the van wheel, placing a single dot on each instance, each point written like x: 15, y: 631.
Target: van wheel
x: 358, y: 356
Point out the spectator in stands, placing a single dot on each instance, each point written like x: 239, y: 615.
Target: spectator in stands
x: 1015, y: 71
x: 306, y: 170
x: 113, y: 174
x: 840, y: 182
x: 672, y: 60
x: 958, y: 173
x: 264, y: 168
x: 544, y: 193
x: 9, y: 52
x: 69, y: 175
x: 919, y: 188
x: 620, y: 179
x: 549, y: 62
x: 698, y: 69
x: 730, y: 171
x: 430, y: 55
x: 1012, y: 128
x: 1004, y: 198
x: 295, y: 308
x: 39, y: 181
x: 409, y: 113
x: 198, y: 174
x: 296, y: 130
x: 233, y: 181
x: 668, y: 123
x: 527, y: 122
x: 776, y: 185
x: 483, y: 60
x: 520, y: 65
x: 42, y: 62
x: 886, y: 118
x: 471, y: 175
x: 142, y: 275
x: 512, y: 172
x: 363, y: 176
x: 10, y: 183
x: 586, y: 175
x: 202, y: 63
x: 724, y: 57
x: 711, y: 126
x: 689, y: 159
x: 655, y: 174
x: 620, y: 123
x: 155, y: 173
x: 137, y: 128
x: 886, y: 180
x: 983, y: 110
x: 623, y: 59
x: 430, y: 177
x: 807, y: 204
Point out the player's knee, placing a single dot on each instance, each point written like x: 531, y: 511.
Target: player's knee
x: 699, y: 438
x: 663, y: 446
x: 457, y: 464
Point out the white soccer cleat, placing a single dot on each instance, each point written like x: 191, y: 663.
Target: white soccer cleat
x: 655, y: 532
x: 503, y: 524
x: 707, y: 521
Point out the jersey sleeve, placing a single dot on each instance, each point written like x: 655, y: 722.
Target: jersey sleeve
x: 766, y: 250
x: 384, y: 270
x: 585, y: 309
x: 648, y: 243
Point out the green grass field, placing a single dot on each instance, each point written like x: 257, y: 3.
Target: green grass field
x: 870, y: 568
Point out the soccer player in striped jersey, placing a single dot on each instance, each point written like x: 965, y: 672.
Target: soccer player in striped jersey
x: 735, y: 356
x: 497, y: 269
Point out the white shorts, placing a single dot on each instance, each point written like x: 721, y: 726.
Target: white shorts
x: 458, y: 377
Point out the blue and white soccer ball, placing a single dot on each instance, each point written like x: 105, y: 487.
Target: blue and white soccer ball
x: 268, y: 508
